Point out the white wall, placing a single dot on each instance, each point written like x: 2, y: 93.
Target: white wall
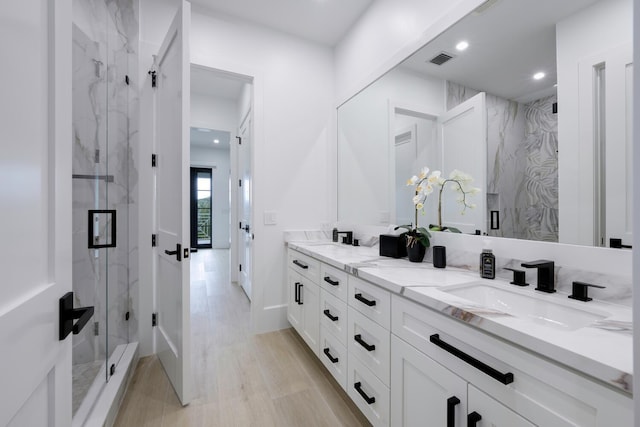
x: 387, y: 33
x: 596, y: 29
x: 218, y: 160
x: 293, y: 109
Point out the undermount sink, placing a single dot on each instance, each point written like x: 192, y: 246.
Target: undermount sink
x: 540, y: 309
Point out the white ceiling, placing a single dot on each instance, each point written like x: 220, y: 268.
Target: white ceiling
x: 322, y: 21
x: 202, y: 137
x: 508, y: 43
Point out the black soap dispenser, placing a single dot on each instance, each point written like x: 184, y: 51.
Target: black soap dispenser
x: 487, y: 264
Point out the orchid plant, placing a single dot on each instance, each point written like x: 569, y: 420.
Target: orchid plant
x: 426, y: 183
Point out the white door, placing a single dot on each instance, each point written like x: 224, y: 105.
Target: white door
x: 35, y: 219
x: 245, y: 234
x: 172, y: 95
x: 463, y: 129
x: 489, y: 412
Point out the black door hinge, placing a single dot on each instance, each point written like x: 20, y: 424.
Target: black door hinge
x: 112, y: 369
x: 240, y: 225
x: 154, y: 319
x: 96, y: 157
x: 126, y: 80
x: 239, y: 183
x: 239, y: 140
x: 154, y: 160
x: 96, y: 328
x: 126, y: 316
x: 154, y: 78
x: 240, y: 267
x: 153, y: 240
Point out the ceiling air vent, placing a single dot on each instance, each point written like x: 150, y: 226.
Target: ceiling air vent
x: 441, y: 58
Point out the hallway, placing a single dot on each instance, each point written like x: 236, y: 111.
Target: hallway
x: 239, y: 380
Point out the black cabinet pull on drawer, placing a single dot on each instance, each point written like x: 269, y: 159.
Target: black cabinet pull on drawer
x: 358, y: 387
x: 331, y: 282
x: 505, y: 379
x: 328, y: 314
x: 365, y: 301
x: 300, y: 264
x: 359, y: 340
x: 473, y: 418
x: 331, y: 358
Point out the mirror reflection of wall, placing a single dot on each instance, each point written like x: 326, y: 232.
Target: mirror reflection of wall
x: 549, y: 175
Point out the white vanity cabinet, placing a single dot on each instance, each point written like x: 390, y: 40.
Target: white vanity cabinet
x: 505, y: 385
x: 303, y: 303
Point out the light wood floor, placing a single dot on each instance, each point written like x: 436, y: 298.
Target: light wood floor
x: 240, y: 379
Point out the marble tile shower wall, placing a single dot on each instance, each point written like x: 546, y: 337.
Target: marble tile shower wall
x: 105, y: 39
x: 522, y: 170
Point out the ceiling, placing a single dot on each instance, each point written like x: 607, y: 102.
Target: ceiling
x: 201, y: 137
x: 508, y: 43
x: 322, y: 21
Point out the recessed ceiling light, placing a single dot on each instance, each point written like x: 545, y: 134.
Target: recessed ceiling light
x: 539, y: 75
x: 216, y: 141
x: 204, y: 130
x: 462, y: 45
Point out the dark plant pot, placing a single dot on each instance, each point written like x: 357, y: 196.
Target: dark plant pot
x: 416, y: 252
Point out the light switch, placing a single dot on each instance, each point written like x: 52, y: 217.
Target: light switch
x: 270, y: 218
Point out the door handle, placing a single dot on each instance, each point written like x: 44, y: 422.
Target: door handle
x: 247, y: 228
x: 452, y: 402
x: 68, y: 314
x: 177, y: 252
x: 370, y: 400
x: 359, y: 340
x: 473, y: 419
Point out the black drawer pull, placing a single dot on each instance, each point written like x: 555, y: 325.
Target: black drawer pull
x: 473, y: 418
x: 296, y: 295
x: 365, y: 301
x: 358, y: 387
x: 359, y: 340
x: 300, y: 264
x: 493, y: 373
x: 328, y: 314
x: 331, y: 282
x: 300, y: 294
x: 452, y: 402
x: 333, y: 359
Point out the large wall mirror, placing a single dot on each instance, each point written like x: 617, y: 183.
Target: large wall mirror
x: 536, y: 108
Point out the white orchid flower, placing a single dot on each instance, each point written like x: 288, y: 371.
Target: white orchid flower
x: 417, y: 199
x: 413, y: 180
x: 424, y: 172
x: 428, y: 189
x: 419, y: 206
x: 434, y: 178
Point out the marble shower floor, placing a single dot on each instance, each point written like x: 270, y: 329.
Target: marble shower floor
x: 239, y: 379
x: 83, y: 376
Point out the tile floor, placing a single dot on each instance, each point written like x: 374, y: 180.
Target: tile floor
x: 240, y: 379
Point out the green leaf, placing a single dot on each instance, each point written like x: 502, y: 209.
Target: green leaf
x: 454, y: 230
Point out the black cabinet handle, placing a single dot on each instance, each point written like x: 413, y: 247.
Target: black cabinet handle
x: 505, y: 379
x: 473, y: 418
x: 300, y: 302
x: 331, y: 282
x: 452, y: 402
x: 300, y: 264
x: 333, y: 359
x: 365, y: 301
x: 328, y: 314
x: 359, y: 340
x: 296, y: 296
x: 358, y: 387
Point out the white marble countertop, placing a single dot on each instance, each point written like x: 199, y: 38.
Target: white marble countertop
x: 599, y: 347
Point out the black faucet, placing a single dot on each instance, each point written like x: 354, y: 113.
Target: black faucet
x: 347, y: 240
x: 546, y: 274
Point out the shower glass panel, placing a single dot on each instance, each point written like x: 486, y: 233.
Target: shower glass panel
x: 102, y: 163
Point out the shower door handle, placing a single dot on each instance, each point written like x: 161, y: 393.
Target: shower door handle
x: 177, y: 252
x: 68, y: 314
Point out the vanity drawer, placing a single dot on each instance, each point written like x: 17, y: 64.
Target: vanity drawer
x: 370, y: 300
x: 370, y: 343
x: 334, y: 281
x: 305, y: 265
x: 368, y: 393
x: 544, y: 392
x: 333, y: 355
x: 333, y: 315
